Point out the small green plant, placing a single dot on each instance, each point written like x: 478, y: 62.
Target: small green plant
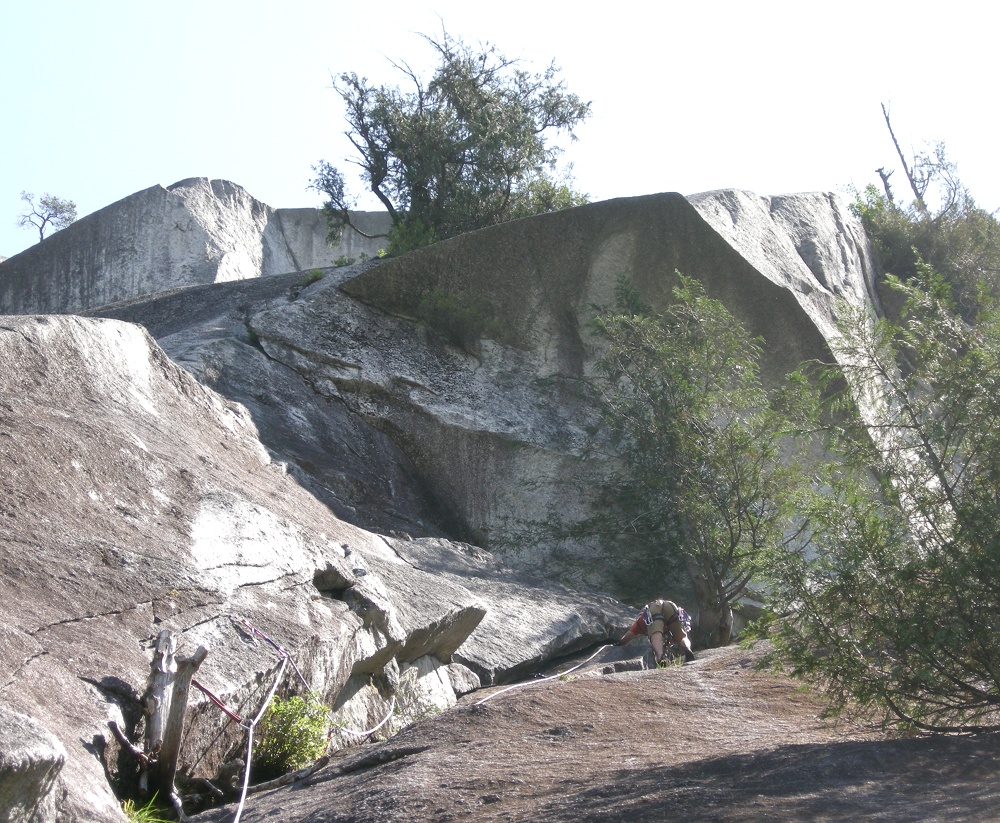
x: 293, y: 734
x: 411, y: 234
x: 344, y: 260
x: 150, y: 813
x: 311, y: 276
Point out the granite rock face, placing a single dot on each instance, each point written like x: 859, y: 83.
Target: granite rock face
x: 485, y: 393
x: 194, y: 232
x: 30, y: 762
x: 808, y: 243
x: 328, y: 459
x: 458, y: 366
x: 134, y: 500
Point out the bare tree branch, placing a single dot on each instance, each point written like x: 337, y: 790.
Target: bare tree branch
x: 917, y: 190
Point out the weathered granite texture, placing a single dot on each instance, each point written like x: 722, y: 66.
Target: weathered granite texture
x: 193, y: 232
x: 133, y: 499
x: 778, y: 263
x: 809, y: 244
x: 315, y: 428
x: 458, y: 366
x: 481, y: 417
x: 30, y: 761
x: 352, y: 466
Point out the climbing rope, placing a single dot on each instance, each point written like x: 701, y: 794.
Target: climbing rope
x: 286, y: 660
x: 543, y: 679
x: 392, y: 708
x: 253, y: 630
x: 250, y: 727
x: 222, y: 706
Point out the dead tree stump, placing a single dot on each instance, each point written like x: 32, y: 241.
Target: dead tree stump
x: 165, y: 702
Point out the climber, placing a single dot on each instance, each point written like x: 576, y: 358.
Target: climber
x: 656, y: 619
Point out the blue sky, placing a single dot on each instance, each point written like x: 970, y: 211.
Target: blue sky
x: 105, y: 98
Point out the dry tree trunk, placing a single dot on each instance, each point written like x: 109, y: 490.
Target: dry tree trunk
x: 910, y: 173
x: 165, y: 703
x: 715, y: 612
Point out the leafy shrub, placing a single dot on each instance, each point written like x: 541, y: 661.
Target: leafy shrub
x: 293, y: 734
x: 409, y: 235
x: 310, y: 277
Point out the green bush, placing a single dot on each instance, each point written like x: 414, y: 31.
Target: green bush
x: 411, y: 234
x: 310, y: 277
x: 959, y: 240
x: 293, y: 734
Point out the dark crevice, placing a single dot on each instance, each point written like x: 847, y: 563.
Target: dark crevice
x: 379, y: 758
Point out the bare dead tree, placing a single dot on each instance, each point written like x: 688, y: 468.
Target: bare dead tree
x: 885, y: 175
x: 915, y: 185
x: 165, y: 702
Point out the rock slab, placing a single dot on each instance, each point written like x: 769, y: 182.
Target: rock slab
x: 194, y: 232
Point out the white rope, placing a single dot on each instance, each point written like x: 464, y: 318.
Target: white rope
x: 250, y: 728
x: 550, y: 677
x: 392, y: 708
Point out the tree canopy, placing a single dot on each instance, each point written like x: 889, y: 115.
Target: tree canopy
x: 50, y: 212
x: 702, y: 484
x: 940, y: 224
x: 895, y: 603
x: 468, y: 148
